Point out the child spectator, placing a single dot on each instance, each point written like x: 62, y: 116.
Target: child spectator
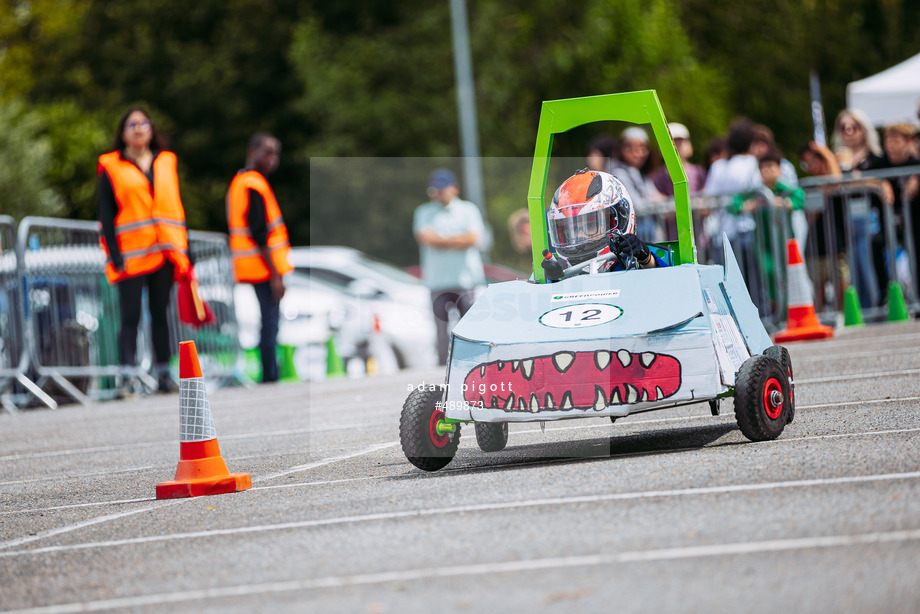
x: 790, y: 197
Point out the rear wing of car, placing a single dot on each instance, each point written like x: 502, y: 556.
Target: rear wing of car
x: 558, y: 116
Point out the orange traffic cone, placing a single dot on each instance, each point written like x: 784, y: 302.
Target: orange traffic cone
x: 202, y: 470
x: 801, y: 322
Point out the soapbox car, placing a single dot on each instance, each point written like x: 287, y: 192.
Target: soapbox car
x: 603, y: 343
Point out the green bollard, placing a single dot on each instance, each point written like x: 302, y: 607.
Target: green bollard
x: 852, y: 313
x: 334, y: 365
x: 287, y: 371
x: 897, y: 308
x: 253, y: 367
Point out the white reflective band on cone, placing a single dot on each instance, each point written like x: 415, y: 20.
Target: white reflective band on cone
x: 195, y: 421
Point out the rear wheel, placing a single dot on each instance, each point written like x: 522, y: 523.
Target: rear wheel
x: 423, y: 446
x: 492, y: 436
x: 761, y: 398
x: 781, y: 355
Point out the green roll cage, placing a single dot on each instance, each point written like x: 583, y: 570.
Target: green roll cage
x: 643, y: 107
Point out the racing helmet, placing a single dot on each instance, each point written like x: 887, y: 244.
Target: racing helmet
x: 586, y: 208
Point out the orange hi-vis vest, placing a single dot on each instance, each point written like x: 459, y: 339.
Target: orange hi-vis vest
x: 150, y: 223
x: 248, y: 264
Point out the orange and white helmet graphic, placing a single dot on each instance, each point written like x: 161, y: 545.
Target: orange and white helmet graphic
x: 586, y: 208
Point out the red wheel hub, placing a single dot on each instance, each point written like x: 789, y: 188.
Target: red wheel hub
x: 439, y: 441
x: 773, y: 398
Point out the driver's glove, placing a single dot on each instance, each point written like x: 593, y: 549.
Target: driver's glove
x: 631, y: 245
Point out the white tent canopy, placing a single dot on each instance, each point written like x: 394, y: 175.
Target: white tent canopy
x: 890, y: 96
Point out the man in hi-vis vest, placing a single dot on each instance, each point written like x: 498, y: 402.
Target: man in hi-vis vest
x: 259, y: 242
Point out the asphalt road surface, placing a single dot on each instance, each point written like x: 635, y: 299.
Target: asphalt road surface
x: 670, y: 511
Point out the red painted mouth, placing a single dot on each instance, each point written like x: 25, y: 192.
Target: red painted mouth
x: 572, y: 380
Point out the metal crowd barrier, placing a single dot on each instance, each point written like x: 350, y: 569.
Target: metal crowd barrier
x: 14, y: 357
x: 55, y: 285
x: 758, y: 238
x: 855, y: 237
x: 865, y: 240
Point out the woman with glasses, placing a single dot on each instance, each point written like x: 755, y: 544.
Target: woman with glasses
x: 144, y: 234
x: 857, y: 147
x: 855, y: 140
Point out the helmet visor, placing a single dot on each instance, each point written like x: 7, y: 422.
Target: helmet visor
x: 570, y: 229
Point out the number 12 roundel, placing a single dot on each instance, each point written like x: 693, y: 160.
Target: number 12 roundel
x: 581, y: 315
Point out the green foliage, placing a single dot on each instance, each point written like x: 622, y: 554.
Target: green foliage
x: 25, y: 160
x: 765, y: 50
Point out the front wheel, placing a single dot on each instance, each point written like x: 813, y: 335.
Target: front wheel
x: 761, y: 398
x: 781, y: 355
x: 492, y: 436
x: 423, y: 446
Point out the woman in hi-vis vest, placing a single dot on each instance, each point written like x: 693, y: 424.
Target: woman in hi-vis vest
x: 144, y: 235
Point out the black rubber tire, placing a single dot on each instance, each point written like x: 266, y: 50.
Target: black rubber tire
x: 415, y: 434
x: 492, y: 436
x: 757, y: 378
x: 781, y: 355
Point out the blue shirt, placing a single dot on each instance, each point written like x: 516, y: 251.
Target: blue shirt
x: 444, y: 269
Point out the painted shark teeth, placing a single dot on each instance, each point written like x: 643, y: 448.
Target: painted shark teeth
x: 548, y: 401
x: 482, y: 370
x: 522, y: 403
x: 494, y: 402
x: 527, y: 368
x: 601, y: 359
x: 482, y: 401
x: 509, y: 402
x: 534, y: 403
x: 647, y: 358
x: 659, y: 393
x: 514, y: 365
x: 566, y: 400
x: 632, y: 393
x: 624, y: 357
x: 563, y: 360
x: 615, y: 396
x: 600, y: 398
x: 644, y: 396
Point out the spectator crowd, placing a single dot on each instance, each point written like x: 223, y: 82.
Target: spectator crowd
x: 749, y: 184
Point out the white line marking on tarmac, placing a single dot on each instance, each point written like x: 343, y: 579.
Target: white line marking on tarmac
x: 453, y: 571
x: 910, y: 351
x: 76, y: 505
x: 848, y: 403
x: 851, y: 376
x: 482, y: 507
x: 80, y: 525
x: 879, y: 340
x: 326, y: 461
x: 241, y: 436
x: 101, y: 519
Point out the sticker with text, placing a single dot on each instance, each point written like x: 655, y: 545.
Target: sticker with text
x: 581, y: 315
x: 586, y: 296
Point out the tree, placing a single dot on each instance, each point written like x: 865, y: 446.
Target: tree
x: 25, y: 157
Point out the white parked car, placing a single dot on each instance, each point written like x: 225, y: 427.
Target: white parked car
x: 399, y: 303
x: 312, y: 312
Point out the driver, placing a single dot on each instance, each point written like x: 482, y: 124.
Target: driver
x: 593, y: 215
